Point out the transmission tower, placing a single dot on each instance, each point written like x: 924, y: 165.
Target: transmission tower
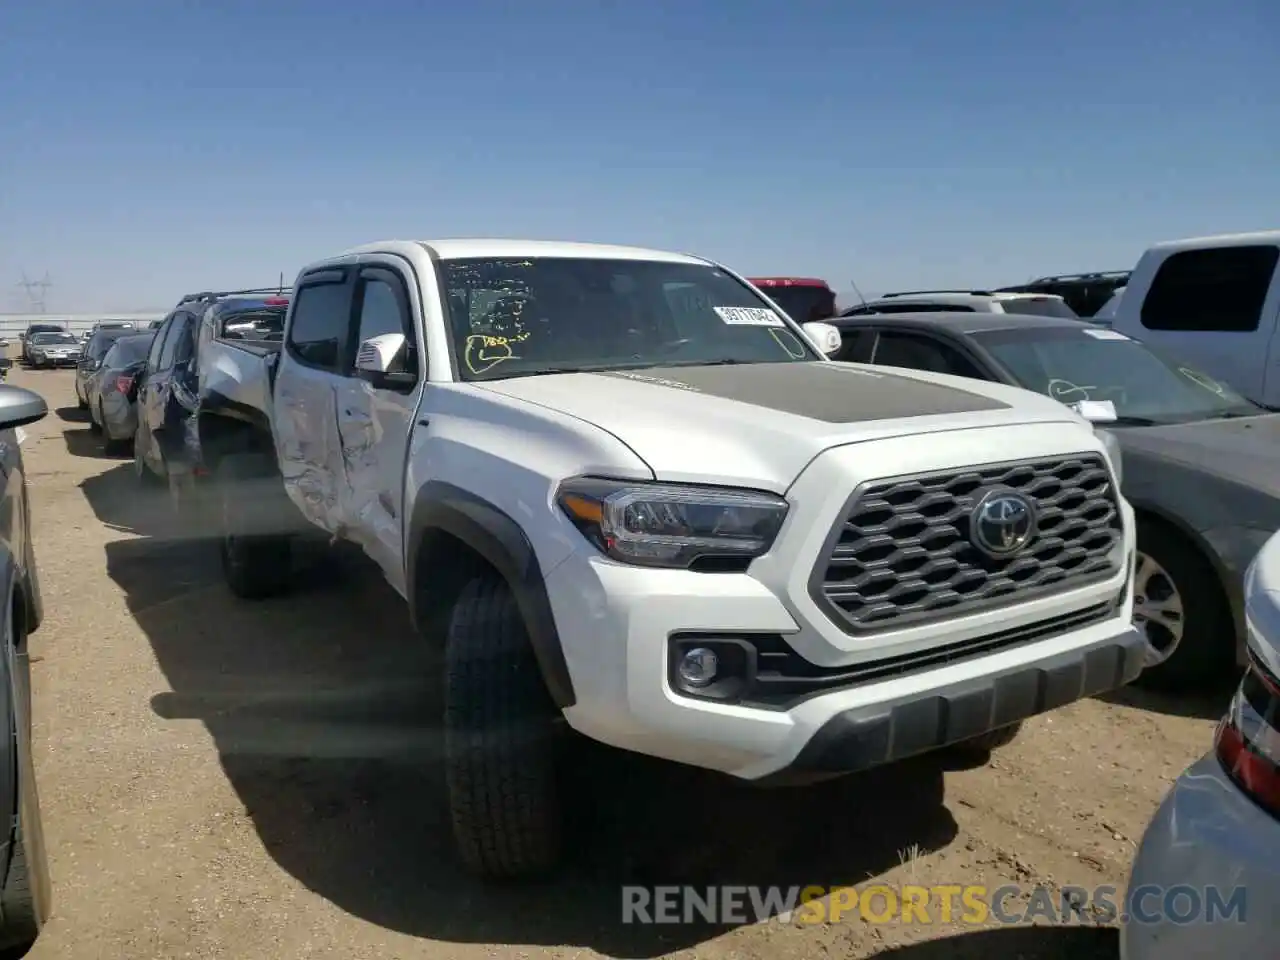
x: 37, y: 292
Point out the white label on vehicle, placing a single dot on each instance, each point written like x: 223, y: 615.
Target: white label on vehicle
x: 1106, y: 335
x: 20, y: 434
x: 749, y: 317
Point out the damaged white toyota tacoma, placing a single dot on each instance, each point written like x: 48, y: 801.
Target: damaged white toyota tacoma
x: 621, y: 487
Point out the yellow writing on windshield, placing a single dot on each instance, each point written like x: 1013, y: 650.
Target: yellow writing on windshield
x: 484, y: 352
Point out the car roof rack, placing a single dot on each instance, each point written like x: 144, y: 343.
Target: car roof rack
x: 1085, y: 277
x: 219, y: 294
x: 918, y: 293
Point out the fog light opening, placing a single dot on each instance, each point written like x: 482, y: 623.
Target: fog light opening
x: 698, y: 667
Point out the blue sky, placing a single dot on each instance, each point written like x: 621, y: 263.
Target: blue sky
x: 147, y: 149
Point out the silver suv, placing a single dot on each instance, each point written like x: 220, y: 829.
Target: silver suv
x: 965, y: 301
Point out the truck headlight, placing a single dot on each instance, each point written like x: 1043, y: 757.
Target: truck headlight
x: 668, y: 525
x: 1113, y: 453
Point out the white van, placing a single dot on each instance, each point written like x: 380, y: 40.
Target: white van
x: 1214, y: 301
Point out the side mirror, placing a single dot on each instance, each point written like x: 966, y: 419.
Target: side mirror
x: 384, y: 361
x: 824, y: 336
x: 19, y: 407
x: 1096, y: 411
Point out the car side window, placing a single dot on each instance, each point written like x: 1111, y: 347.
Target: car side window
x: 177, y: 331
x: 320, y: 324
x: 921, y: 352
x: 383, y: 307
x: 1221, y: 290
x: 185, y: 340
x: 856, y: 345
x: 157, y: 345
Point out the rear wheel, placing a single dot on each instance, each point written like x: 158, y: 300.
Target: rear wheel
x: 81, y: 402
x: 499, y: 736
x: 256, y: 565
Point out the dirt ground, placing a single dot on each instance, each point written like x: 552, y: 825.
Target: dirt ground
x: 226, y: 779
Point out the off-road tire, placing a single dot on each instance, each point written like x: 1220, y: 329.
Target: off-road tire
x: 500, y: 744
x: 1207, y: 650
x: 255, y: 565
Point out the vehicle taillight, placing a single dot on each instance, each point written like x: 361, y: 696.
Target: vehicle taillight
x: 1247, y: 742
x: 124, y: 383
x: 276, y: 301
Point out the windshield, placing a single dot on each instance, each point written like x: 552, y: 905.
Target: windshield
x: 1038, y: 307
x: 803, y: 303
x: 518, y: 317
x: 49, y: 338
x: 1072, y: 364
x: 126, y: 351
x: 43, y: 328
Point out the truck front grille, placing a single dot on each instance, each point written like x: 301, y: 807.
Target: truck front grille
x: 902, y: 553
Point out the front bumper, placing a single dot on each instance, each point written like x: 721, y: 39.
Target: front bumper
x: 1206, y: 844
x: 817, y: 701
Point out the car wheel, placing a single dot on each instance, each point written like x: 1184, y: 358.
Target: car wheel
x: 499, y: 743
x: 141, y: 472
x: 1179, y: 605
x: 81, y: 402
x: 255, y: 565
x: 25, y: 898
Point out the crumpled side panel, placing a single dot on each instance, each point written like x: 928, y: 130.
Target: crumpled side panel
x: 309, y: 450
x: 375, y: 523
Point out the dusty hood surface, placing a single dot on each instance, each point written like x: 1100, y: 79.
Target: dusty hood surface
x: 1245, y: 449
x: 761, y: 424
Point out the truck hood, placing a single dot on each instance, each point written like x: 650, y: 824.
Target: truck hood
x: 759, y: 425
x: 1244, y: 449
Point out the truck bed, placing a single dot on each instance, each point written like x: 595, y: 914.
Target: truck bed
x: 237, y: 376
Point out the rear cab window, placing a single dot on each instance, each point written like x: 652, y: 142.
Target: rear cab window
x: 802, y: 302
x: 1218, y: 290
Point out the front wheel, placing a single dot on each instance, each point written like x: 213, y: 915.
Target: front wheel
x: 499, y: 743
x: 255, y: 565
x: 1178, y: 604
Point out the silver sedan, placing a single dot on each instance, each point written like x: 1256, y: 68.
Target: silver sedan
x: 1206, y: 881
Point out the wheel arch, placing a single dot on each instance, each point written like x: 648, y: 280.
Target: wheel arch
x: 1223, y: 581
x: 455, y: 535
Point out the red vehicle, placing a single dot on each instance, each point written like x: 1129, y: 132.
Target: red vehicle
x: 803, y: 298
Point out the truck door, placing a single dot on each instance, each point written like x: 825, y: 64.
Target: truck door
x: 376, y: 418
x: 1215, y: 308
x: 304, y: 403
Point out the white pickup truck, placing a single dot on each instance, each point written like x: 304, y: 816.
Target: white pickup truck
x: 622, y: 488
x: 1214, y: 301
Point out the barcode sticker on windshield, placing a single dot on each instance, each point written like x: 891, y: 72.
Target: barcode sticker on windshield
x: 749, y: 317
x: 1106, y: 335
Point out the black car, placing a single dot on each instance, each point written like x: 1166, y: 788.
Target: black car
x: 24, y: 869
x: 1201, y: 464
x: 164, y: 446
x: 94, y: 350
